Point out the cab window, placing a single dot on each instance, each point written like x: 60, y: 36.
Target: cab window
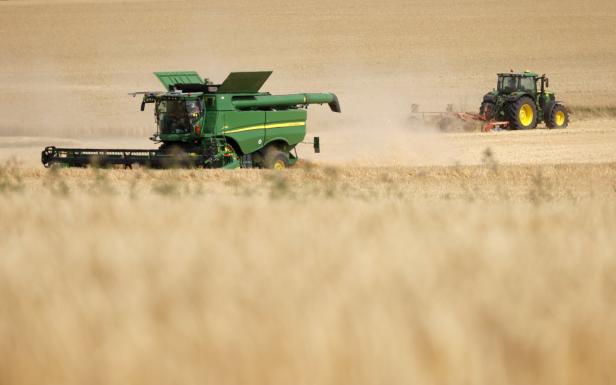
x: 508, y: 84
x: 528, y: 84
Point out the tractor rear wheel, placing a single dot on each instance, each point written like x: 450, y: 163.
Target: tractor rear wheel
x: 523, y: 114
x: 276, y: 159
x: 487, y: 110
x: 559, y: 117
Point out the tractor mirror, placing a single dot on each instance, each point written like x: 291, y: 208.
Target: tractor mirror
x: 547, y: 83
x: 317, y: 144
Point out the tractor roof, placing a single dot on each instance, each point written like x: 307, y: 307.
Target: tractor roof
x: 526, y: 74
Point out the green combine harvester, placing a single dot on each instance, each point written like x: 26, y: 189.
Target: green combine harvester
x: 200, y: 124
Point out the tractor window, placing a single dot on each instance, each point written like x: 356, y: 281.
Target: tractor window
x: 507, y: 84
x: 528, y: 84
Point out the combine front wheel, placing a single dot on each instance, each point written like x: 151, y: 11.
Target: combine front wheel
x: 559, y: 117
x: 276, y: 159
x: 523, y: 114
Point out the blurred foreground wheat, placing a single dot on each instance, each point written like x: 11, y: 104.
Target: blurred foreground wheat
x: 462, y: 275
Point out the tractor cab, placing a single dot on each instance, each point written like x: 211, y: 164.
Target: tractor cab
x: 509, y: 83
x: 522, y: 83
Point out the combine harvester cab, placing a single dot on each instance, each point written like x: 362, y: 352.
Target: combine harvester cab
x: 200, y: 124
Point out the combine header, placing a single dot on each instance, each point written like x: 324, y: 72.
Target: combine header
x: 199, y: 124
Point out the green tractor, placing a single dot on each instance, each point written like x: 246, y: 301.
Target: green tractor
x: 522, y: 100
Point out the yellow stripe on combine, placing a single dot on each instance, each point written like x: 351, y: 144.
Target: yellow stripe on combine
x: 244, y: 129
x: 266, y: 126
x: 290, y: 124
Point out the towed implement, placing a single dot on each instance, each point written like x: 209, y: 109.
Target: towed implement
x: 200, y: 124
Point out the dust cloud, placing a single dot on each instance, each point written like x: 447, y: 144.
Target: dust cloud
x: 376, y: 127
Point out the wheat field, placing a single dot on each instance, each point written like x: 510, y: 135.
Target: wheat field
x: 487, y: 274
x: 399, y: 255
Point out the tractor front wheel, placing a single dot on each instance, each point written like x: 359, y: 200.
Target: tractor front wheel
x: 487, y: 110
x: 559, y: 117
x: 523, y: 114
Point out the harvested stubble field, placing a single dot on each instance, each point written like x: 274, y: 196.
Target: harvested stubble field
x: 485, y: 274
x: 397, y: 255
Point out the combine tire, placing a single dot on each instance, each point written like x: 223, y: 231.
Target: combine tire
x: 257, y: 160
x: 276, y: 159
x: 487, y: 110
x: 559, y: 117
x: 523, y: 114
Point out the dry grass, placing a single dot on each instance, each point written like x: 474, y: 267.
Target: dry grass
x: 462, y: 275
x: 581, y: 112
x: 487, y: 274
